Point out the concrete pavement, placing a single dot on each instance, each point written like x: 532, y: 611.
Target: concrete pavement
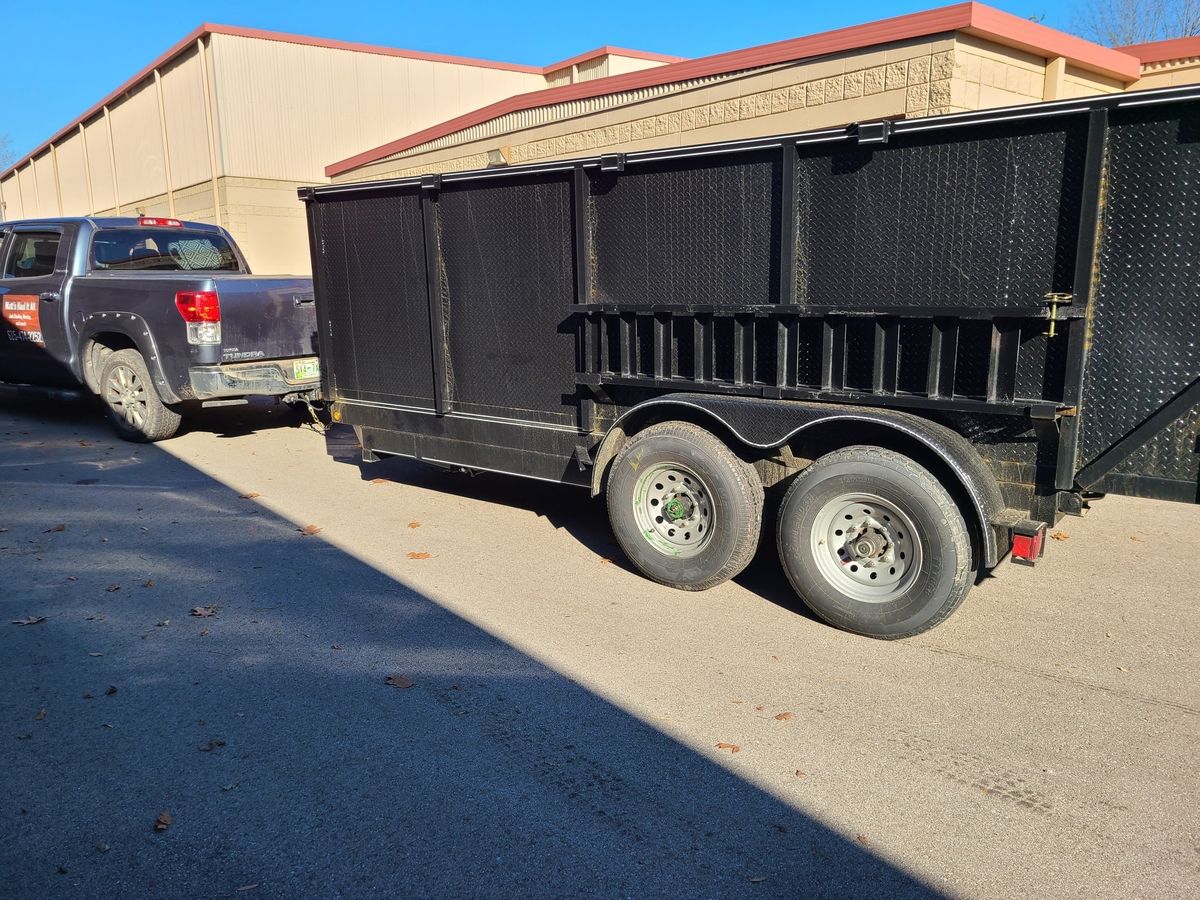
x: 560, y: 735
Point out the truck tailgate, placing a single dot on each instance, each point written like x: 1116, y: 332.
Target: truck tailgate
x: 266, y: 318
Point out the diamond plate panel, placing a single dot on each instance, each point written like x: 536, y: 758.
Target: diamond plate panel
x: 1146, y: 318
x: 371, y: 269
x: 508, y: 278
x: 688, y: 231
x: 983, y: 216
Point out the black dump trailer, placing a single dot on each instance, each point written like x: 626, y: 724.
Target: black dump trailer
x: 933, y: 337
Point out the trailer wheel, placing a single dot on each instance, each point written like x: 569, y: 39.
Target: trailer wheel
x: 873, y: 543
x: 134, y: 407
x: 686, y: 510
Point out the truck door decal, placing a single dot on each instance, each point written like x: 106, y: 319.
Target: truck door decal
x: 22, y: 318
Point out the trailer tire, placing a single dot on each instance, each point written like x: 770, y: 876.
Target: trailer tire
x: 684, y: 508
x: 133, y: 405
x: 874, y: 544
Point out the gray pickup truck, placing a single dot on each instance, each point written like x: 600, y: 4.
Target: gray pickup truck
x: 154, y: 315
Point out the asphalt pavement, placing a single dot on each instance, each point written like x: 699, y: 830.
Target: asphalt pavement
x: 204, y: 710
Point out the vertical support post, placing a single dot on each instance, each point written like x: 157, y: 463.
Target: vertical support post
x: 324, y: 323
x: 943, y: 357
x: 87, y: 171
x: 57, y: 180
x: 787, y: 216
x: 166, y: 147
x: 430, y: 184
x: 1087, y: 250
x: 210, y: 128
x: 112, y: 161
x: 1002, y: 362
x: 833, y: 354
x: 37, y: 189
x: 583, y: 236
x: 782, y: 348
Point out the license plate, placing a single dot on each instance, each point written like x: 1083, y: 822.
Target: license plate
x: 304, y: 369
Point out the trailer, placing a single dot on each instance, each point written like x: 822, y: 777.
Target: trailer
x: 930, y: 338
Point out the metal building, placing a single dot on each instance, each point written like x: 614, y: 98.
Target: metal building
x: 226, y: 124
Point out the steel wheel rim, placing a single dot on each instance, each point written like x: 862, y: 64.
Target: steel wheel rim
x: 866, y: 547
x: 674, y: 510
x: 126, y: 396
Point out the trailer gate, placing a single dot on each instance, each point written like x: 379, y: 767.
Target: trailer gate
x: 1026, y: 276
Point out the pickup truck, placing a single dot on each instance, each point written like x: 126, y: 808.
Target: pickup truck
x: 153, y: 315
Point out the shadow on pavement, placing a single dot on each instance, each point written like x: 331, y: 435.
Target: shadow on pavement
x: 567, y: 507
x: 268, y: 732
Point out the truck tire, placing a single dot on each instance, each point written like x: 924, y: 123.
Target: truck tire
x: 874, y: 544
x: 133, y: 405
x: 685, y: 509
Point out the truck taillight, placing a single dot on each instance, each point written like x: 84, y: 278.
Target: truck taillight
x: 202, y: 312
x: 159, y: 223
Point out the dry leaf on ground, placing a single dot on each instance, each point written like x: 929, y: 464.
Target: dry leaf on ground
x: 1134, y: 537
x: 204, y: 612
x: 54, y: 528
x: 164, y: 820
x: 203, y: 632
x: 113, y: 588
x: 40, y: 714
x: 415, y: 555
x: 149, y: 583
x: 211, y: 744
x: 862, y: 839
x: 379, y: 480
x: 785, y: 717
x: 29, y: 620
x: 399, y: 681
x: 72, y: 578
x: 110, y: 690
x: 732, y: 748
x: 310, y: 529
x: 1060, y: 536
x: 95, y: 654
x: 800, y: 773
x: 414, y: 524
x: 250, y: 495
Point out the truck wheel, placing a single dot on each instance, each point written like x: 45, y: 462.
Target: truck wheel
x: 134, y: 408
x: 873, y: 543
x: 686, y: 510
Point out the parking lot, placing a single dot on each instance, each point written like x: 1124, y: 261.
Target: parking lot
x: 570, y: 728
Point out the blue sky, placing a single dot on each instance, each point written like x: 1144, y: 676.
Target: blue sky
x: 84, y: 50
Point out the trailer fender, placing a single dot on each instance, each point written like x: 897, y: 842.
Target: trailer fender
x: 137, y: 330
x: 764, y: 424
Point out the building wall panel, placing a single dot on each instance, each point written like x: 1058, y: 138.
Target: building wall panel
x: 100, y: 164
x: 47, y: 186
x: 72, y: 176
x: 29, y: 193
x: 187, y: 132
x: 287, y: 110
x: 137, y: 142
x: 10, y: 196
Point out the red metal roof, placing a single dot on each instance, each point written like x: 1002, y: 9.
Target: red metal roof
x: 1162, y: 51
x: 971, y: 18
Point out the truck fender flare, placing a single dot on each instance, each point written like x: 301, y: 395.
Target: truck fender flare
x: 137, y: 330
x: 764, y: 424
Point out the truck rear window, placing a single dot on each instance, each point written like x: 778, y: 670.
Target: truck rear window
x: 162, y: 250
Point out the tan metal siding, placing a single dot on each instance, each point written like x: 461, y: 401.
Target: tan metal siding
x: 72, y: 176
x: 137, y: 141
x: 187, y: 135
x: 10, y: 196
x: 96, y: 136
x: 47, y: 187
x: 288, y: 109
x: 29, y: 194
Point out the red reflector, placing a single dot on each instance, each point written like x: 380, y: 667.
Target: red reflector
x: 198, y: 306
x: 162, y: 223
x: 1027, y: 544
